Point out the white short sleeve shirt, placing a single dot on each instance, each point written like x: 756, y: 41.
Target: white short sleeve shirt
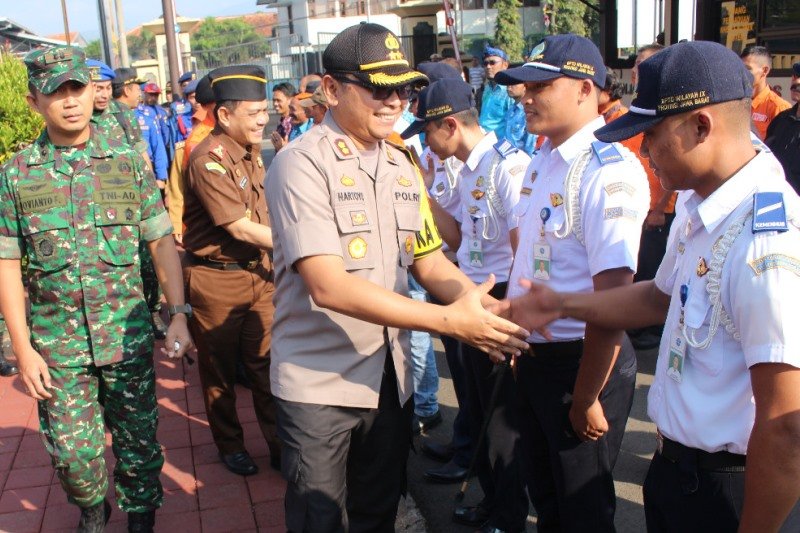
x: 487, y: 209
x: 614, y: 199
x: 712, y: 407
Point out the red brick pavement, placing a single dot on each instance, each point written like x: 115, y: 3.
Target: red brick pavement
x: 200, y: 495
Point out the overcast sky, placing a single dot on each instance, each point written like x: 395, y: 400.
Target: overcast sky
x: 43, y: 17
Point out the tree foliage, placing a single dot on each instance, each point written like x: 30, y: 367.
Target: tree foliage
x: 508, y: 30
x: 19, y: 124
x: 567, y: 16
x: 142, y: 46
x: 94, y: 50
x: 226, y: 42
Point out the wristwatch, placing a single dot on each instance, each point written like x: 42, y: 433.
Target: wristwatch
x: 186, y: 309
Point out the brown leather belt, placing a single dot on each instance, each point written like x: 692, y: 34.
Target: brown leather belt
x: 226, y: 265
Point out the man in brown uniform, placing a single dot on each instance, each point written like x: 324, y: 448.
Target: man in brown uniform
x: 350, y: 218
x: 229, y: 277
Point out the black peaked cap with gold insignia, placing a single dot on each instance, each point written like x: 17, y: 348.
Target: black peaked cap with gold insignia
x: 371, y: 53
x: 246, y: 83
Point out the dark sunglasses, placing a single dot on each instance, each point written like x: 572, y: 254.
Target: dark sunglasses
x: 380, y: 93
x: 488, y: 62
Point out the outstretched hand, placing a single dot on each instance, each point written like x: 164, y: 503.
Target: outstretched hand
x: 535, y: 309
x: 474, y: 325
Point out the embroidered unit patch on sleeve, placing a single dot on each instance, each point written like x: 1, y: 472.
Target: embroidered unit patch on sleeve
x: 773, y: 261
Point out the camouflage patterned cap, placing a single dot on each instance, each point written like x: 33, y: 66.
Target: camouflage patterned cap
x: 50, y: 68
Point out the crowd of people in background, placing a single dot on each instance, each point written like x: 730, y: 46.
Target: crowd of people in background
x: 521, y: 212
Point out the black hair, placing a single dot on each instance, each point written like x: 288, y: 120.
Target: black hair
x: 613, y: 86
x: 230, y: 105
x: 286, y: 88
x: 757, y: 51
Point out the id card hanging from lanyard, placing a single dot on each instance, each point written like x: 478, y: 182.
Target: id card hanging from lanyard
x: 474, y: 245
x: 542, y: 258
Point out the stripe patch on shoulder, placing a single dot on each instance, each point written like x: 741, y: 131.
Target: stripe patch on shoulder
x: 215, y: 167
x: 620, y: 186
x: 772, y: 261
x: 619, y: 212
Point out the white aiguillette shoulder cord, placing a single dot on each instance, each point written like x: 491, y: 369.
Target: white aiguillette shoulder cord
x: 719, y: 253
x: 572, y: 202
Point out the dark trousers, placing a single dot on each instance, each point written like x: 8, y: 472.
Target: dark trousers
x: 714, y: 507
x: 461, y: 440
x: 570, y: 482
x: 345, y: 467
x: 497, y: 463
x: 232, y: 320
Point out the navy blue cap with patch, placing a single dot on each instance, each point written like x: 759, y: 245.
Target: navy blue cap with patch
x: 187, y: 76
x: 667, y: 87
x: 191, y: 88
x: 796, y: 69
x: 438, y: 100
x: 555, y: 56
x: 436, y: 70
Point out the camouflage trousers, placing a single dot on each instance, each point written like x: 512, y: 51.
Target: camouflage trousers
x: 74, y: 433
x: 150, y: 288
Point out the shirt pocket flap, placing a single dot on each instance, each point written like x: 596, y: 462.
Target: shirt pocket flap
x: 408, y: 218
x: 352, y: 219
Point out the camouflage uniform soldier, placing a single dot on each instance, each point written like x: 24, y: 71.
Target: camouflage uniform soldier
x: 77, y: 205
x: 6, y: 368
x: 117, y: 122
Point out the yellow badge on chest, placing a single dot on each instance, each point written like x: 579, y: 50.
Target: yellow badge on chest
x: 357, y: 248
x: 556, y: 199
x: 347, y: 181
x: 404, y: 182
x: 409, y: 244
x: 477, y: 194
x: 702, y: 267
x: 215, y: 167
x: 248, y: 213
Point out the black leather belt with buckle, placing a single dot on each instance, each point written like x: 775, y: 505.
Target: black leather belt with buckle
x: 723, y: 461
x: 226, y: 265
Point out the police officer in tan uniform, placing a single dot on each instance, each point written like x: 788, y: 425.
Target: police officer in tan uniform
x: 229, y: 277
x: 350, y: 217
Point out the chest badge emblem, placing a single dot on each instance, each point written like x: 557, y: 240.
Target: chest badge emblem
x: 357, y: 248
x: 702, y: 267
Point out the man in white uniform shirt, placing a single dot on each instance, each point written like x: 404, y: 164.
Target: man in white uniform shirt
x: 488, y: 186
x: 582, y: 207
x: 725, y: 395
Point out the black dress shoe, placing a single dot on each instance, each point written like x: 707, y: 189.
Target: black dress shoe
x: 94, y: 519
x: 473, y: 515
x: 423, y: 424
x: 239, y: 463
x: 438, y: 451
x: 142, y: 522
x: 447, y: 473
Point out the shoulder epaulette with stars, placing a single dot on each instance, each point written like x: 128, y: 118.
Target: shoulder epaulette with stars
x: 218, y: 152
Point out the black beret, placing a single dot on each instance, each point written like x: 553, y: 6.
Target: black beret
x: 371, y: 53
x: 238, y: 82
x: 203, y: 94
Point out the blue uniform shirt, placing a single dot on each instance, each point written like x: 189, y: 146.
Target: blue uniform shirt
x: 181, y: 119
x: 155, y: 142
x: 516, y: 130
x: 163, y: 119
x: 300, y: 129
x: 495, y: 104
